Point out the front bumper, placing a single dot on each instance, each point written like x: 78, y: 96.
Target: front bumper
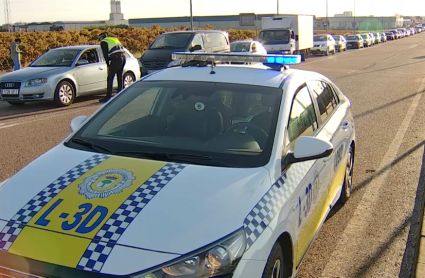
x: 32, y: 93
x: 318, y: 50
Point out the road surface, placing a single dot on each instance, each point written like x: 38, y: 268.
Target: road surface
x: 374, y: 234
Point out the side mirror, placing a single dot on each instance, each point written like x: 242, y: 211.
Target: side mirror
x: 77, y: 122
x: 296, y: 37
x: 82, y: 62
x: 308, y: 148
x: 195, y: 48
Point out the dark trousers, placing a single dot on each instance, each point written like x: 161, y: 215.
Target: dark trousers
x: 116, y: 67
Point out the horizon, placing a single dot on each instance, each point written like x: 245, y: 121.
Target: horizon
x: 23, y: 10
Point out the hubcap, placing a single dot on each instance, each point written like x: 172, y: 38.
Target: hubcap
x: 65, y: 94
x: 128, y: 80
x: 276, y: 269
x: 349, y: 173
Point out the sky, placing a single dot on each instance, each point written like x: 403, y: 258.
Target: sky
x: 76, y: 10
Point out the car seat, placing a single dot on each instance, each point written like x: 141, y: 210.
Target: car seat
x: 262, y: 120
x: 197, y: 120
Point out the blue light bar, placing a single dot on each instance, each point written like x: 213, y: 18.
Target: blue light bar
x: 272, y: 60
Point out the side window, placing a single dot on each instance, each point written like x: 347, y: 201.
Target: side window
x: 89, y: 57
x: 302, y: 121
x: 217, y: 40
x: 197, y: 40
x: 325, y: 97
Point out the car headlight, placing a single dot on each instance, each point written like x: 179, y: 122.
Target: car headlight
x: 219, y: 258
x: 36, y: 81
x: 174, y: 63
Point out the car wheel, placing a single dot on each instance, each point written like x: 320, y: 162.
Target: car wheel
x: 348, y: 179
x: 65, y: 94
x: 16, y: 103
x: 128, y: 79
x: 276, y: 267
x: 327, y: 52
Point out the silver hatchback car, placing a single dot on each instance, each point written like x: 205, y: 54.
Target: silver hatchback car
x: 62, y: 74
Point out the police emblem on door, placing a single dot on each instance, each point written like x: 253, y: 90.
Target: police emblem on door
x: 104, y: 184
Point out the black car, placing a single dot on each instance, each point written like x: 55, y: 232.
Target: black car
x: 158, y: 55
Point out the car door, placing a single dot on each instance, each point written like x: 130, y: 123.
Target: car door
x: 91, y: 73
x: 335, y: 126
x: 305, y: 204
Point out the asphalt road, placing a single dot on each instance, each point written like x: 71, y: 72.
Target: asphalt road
x: 373, y: 235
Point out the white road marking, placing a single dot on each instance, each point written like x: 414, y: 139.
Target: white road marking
x: 413, y: 46
x: 6, y: 126
x: 352, y: 71
x: 356, y: 229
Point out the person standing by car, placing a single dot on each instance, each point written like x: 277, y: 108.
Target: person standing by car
x: 113, y: 52
x: 15, y: 54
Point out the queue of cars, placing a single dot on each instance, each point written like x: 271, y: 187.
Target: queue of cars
x: 329, y: 44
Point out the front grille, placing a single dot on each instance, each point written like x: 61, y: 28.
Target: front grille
x: 10, y: 85
x: 155, y: 65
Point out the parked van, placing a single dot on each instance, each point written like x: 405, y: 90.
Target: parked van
x: 158, y: 55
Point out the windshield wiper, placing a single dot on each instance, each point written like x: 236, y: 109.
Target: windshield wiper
x: 91, y: 145
x: 177, y: 157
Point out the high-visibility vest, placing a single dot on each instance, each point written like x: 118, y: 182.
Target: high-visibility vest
x: 114, y: 45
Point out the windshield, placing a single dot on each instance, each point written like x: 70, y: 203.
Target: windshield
x: 275, y: 36
x: 56, y: 58
x: 240, y: 47
x: 172, y: 41
x: 233, y: 123
x: 320, y: 38
x: 353, y: 38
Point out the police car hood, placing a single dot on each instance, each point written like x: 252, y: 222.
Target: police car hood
x: 69, y: 200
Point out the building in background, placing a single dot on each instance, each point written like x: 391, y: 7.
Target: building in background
x: 116, y: 17
x: 345, y: 14
x: 361, y: 23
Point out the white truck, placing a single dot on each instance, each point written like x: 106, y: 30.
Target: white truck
x: 287, y: 34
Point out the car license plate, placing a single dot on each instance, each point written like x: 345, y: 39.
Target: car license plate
x: 10, y: 92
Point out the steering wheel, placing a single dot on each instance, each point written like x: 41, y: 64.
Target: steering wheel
x: 246, y: 124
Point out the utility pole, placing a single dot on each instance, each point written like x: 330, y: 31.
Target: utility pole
x: 354, y: 27
x: 7, y: 15
x: 327, y: 21
x: 191, y: 16
x: 277, y: 11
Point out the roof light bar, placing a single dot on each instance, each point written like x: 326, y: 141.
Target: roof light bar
x: 269, y: 60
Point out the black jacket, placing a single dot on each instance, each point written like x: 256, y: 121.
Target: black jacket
x: 105, y: 51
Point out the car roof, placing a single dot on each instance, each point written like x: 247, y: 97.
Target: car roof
x: 77, y: 47
x: 256, y: 75
x: 196, y: 31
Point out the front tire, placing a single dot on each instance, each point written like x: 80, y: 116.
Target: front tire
x: 348, y: 178
x: 276, y: 267
x: 327, y: 52
x: 64, y: 94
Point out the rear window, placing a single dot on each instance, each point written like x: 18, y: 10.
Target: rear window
x: 172, y: 41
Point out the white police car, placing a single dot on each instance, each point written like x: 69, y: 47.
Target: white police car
x: 195, y: 171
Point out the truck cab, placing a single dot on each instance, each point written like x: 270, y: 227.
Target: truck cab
x: 289, y: 34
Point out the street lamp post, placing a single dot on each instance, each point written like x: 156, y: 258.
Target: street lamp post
x: 277, y: 11
x: 327, y: 21
x: 355, y: 16
x: 191, y: 16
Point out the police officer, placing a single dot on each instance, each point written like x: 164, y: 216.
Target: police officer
x: 115, y: 60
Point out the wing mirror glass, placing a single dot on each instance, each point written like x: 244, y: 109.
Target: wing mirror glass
x: 195, y: 48
x: 308, y: 148
x: 77, y: 122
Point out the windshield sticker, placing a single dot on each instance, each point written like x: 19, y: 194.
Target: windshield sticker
x: 199, y: 106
